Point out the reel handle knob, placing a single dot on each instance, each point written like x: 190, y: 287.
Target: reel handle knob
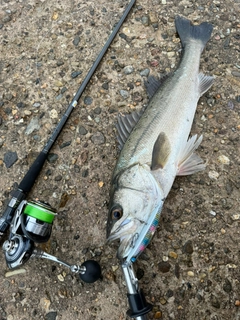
x: 92, y: 271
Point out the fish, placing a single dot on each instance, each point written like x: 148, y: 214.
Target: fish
x: 156, y: 146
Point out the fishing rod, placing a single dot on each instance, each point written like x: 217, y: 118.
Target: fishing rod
x: 31, y: 222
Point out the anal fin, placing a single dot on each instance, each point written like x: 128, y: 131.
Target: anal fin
x: 205, y: 82
x: 161, y: 151
x: 190, y: 162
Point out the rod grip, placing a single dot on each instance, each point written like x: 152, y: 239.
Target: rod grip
x: 28, y: 180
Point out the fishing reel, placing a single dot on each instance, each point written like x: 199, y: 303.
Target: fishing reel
x: 32, y: 223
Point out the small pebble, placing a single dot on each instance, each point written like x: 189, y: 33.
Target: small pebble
x: 59, y: 97
x: 15, y: 272
x: 173, y: 254
x: 60, y: 277
x: 164, y: 267
x: 144, y: 73
x: 36, y: 104
x: 177, y: 271
x: 213, y: 213
x: 65, y: 144
x: 128, y: 69
x: 223, y: 231
x: 27, y: 112
x: 236, y: 73
x: 82, y: 131
x: 163, y: 301
x: 114, y: 268
x: 75, y: 74
x: 58, y: 178
x: 213, y: 175
x: 105, y: 86
x: 224, y: 160
x: 21, y: 105
x: 98, y: 138
x: 158, y: 315
x: 227, y: 286
x: 53, y: 114
x: 237, y: 303
x: 45, y: 304
x: 124, y: 94
x: 52, y: 315
x: 100, y: 184
x: 88, y: 100
x: 190, y: 273
x: 52, y: 157
x: 215, y: 302
x: 188, y: 247
x: 10, y: 158
x: 145, y: 20
x: 33, y: 126
x: 58, y: 83
x: 153, y: 17
x: 76, y: 41
x: 97, y: 110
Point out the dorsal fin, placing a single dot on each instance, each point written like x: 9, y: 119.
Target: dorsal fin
x: 125, y: 124
x: 161, y: 151
x: 153, y: 84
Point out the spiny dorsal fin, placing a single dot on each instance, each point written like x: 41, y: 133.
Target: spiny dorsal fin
x: 161, y: 151
x: 153, y: 84
x: 190, y: 162
x: 125, y: 124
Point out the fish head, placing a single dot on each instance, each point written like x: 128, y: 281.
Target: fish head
x: 136, y: 199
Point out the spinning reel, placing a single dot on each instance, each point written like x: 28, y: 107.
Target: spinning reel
x: 32, y: 223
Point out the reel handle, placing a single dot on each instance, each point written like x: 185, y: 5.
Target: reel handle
x: 89, y: 271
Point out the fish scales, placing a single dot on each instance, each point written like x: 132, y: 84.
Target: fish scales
x: 162, y: 109
x: 158, y: 147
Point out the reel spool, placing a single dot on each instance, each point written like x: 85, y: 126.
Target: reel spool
x: 37, y: 220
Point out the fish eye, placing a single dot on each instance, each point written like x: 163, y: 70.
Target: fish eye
x: 117, y: 213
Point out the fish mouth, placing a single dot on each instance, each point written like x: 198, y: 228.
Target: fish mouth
x: 127, y: 233
x: 123, y: 230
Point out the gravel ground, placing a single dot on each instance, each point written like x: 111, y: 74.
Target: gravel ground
x: 191, y: 268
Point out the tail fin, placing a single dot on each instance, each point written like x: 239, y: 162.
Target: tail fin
x: 188, y: 31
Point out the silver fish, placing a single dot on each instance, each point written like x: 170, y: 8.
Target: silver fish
x: 156, y: 146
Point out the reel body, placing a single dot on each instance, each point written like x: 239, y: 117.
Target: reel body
x: 32, y: 223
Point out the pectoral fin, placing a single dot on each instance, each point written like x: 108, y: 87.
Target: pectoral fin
x: 161, y: 151
x: 189, y: 162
